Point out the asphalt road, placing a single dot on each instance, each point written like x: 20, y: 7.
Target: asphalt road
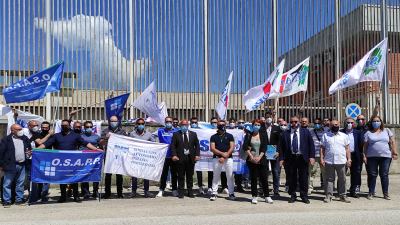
x: 171, y: 210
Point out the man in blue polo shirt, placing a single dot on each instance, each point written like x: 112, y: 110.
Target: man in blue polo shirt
x: 222, y: 145
x: 165, y: 136
x: 67, y: 140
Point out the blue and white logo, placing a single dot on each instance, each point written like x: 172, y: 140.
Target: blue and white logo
x: 47, y: 168
x: 353, y: 110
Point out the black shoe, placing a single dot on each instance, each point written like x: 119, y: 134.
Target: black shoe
x: 354, y: 195
x: 181, y: 195
x: 20, y: 203
x: 77, y: 199
x: 69, y: 193
x: 7, y: 204
x: 276, y: 194
x: 95, y: 194
x: 190, y: 194
x: 62, y: 200
x: 148, y: 194
x: 240, y: 189
x: 305, y: 200
x: 120, y: 196
x: 106, y: 196
x: 292, y: 199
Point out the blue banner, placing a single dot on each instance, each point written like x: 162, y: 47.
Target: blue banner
x: 36, y: 86
x: 65, y: 167
x: 115, y: 106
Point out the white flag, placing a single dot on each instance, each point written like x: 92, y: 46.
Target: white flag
x: 292, y: 82
x: 259, y: 94
x: 22, y: 119
x: 135, y: 157
x: 223, y: 103
x: 147, y: 103
x: 369, y: 68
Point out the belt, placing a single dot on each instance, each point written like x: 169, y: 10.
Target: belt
x: 20, y: 163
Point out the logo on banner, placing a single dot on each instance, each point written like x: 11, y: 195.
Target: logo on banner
x: 46, y: 167
x: 373, y: 61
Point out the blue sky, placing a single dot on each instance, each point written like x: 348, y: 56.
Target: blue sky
x: 170, y: 34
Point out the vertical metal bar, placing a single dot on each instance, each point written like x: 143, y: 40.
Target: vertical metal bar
x: 131, y: 59
x: 275, y: 44
x: 206, y: 88
x: 385, y: 83
x: 48, y: 54
x: 338, y: 57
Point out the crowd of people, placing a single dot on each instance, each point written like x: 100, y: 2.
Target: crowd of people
x: 325, y: 148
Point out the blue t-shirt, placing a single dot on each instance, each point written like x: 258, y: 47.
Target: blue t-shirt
x: 165, y: 136
x: 92, y: 139
x: 222, y: 142
x: 70, y: 141
x: 378, y: 143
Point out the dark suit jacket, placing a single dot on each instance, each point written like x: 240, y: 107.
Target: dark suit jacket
x: 275, y: 135
x: 7, y: 152
x: 358, y: 141
x: 177, y: 145
x: 263, y: 145
x: 306, y: 145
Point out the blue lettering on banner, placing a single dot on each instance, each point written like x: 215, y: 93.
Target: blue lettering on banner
x: 204, y: 145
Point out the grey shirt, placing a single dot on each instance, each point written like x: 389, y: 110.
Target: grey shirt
x: 19, y: 149
x: 378, y: 143
x: 147, y: 136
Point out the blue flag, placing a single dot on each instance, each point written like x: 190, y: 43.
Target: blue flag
x: 115, y: 106
x: 66, y: 166
x: 36, y: 86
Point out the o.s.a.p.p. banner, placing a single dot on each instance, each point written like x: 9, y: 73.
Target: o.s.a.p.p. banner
x: 135, y: 157
x: 66, y: 166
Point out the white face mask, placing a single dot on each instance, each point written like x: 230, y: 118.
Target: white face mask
x: 283, y: 127
x: 35, y: 129
x: 349, y: 126
x: 268, y: 120
x: 20, y: 133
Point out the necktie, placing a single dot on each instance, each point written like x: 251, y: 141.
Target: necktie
x: 185, y: 141
x: 295, y: 143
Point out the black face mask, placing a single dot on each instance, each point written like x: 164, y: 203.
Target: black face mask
x: 45, y: 132
x: 335, y: 129
x: 221, y: 127
x: 65, y: 129
x: 78, y: 130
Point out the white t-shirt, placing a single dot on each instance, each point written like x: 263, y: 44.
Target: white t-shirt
x: 335, y: 147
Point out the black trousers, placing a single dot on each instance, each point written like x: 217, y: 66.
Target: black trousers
x: 298, y: 172
x: 185, y: 168
x: 169, y: 166
x: 200, y: 178
x: 108, y: 184
x: 258, y: 172
x: 355, y: 173
x: 63, y: 188
x: 238, y: 180
x: 85, y: 188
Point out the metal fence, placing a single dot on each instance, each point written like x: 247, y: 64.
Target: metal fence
x: 189, y: 47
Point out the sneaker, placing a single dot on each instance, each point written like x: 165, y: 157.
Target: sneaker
x: 148, y: 194
x: 386, y: 196
x: 160, y: 194
x: 7, y: 205
x: 175, y: 193
x: 328, y: 199
x: 254, y: 200
x: 370, y: 196
x: 209, y: 191
x: 168, y: 185
x: 213, y: 197
x: 344, y: 199
x: 133, y: 194
x: 226, y: 191
x: 232, y: 197
x: 269, y: 200
x: 62, y: 200
x: 77, y: 200
x: 201, y: 191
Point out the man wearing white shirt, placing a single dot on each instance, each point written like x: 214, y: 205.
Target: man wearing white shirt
x: 335, y: 154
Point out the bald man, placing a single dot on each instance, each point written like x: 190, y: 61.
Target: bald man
x: 14, y: 150
x: 185, y: 151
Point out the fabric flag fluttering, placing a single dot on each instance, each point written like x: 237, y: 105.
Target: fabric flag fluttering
x: 115, y: 106
x: 147, y: 103
x: 22, y: 119
x: 223, y: 103
x: 369, y: 68
x: 293, y: 81
x: 35, y: 86
x: 259, y: 94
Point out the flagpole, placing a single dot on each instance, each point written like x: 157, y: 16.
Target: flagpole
x: 385, y: 83
x: 275, y: 48
x: 338, y: 58
x: 48, y: 54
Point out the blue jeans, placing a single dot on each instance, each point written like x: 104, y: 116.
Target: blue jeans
x: 19, y: 177
x: 276, y: 174
x: 379, y: 165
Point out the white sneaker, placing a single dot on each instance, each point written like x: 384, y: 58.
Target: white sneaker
x: 168, y: 185
x: 175, y: 193
x: 160, y: 194
x: 269, y: 200
x: 213, y: 197
x: 209, y: 191
x: 226, y: 191
x: 254, y: 200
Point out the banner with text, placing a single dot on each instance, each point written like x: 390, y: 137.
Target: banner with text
x: 206, y: 156
x: 134, y: 157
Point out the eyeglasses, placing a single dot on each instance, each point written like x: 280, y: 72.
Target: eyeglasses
x: 361, y: 119
x: 350, y: 122
x: 240, y: 122
x: 88, y: 127
x: 294, y: 121
x: 304, y: 121
x: 140, y: 123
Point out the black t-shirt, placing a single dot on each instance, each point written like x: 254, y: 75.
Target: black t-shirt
x: 222, y: 142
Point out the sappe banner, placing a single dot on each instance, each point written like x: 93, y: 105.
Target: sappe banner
x: 206, y: 156
x: 66, y: 166
x: 134, y: 157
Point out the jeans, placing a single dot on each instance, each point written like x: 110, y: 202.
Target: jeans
x: 19, y: 177
x: 330, y: 170
x: 276, y: 174
x: 379, y: 165
x: 217, y: 167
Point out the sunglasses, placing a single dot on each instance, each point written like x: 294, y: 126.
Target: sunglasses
x: 294, y: 121
x: 140, y: 124
x: 350, y: 122
x: 168, y: 121
x: 88, y: 127
x: 361, y: 119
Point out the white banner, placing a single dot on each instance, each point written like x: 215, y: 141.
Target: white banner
x: 22, y: 119
x: 206, y: 156
x: 134, y: 157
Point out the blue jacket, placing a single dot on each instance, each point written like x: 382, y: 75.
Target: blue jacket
x: 7, y: 152
x: 358, y: 141
x: 306, y: 145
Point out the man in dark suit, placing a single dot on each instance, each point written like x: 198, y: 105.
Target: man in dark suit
x: 14, y: 151
x: 356, y: 145
x: 185, y: 151
x: 297, y: 150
